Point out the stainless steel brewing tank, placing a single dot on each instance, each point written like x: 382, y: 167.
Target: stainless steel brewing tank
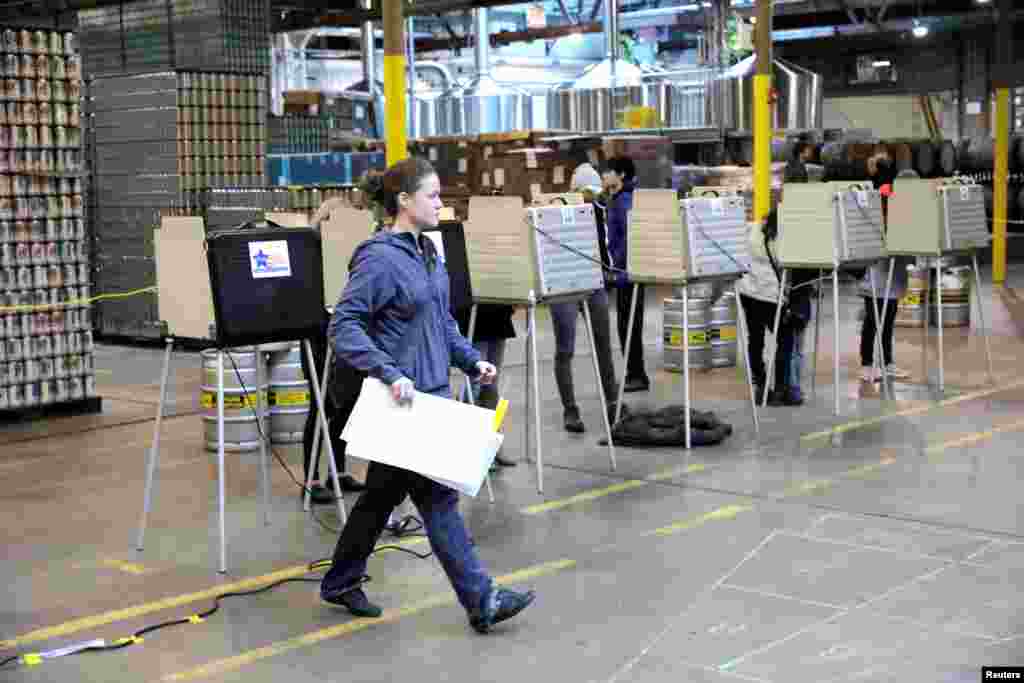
x: 482, y: 107
x: 678, y: 105
x: 798, y: 104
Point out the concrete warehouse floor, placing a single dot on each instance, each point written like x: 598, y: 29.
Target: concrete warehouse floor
x: 883, y: 545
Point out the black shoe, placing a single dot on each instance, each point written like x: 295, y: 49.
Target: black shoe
x: 503, y: 461
x: 573, y: 423
x: 793, y: 397
x: 353, y: 599
x: 634, y: 384
x: 349, y: 483
x: 776, y: 398
x: 759, y: 394
x: 498, y: 605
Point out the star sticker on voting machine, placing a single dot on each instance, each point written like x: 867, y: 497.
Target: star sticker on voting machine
x: 261, y: 260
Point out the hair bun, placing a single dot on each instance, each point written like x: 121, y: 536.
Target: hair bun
x: 373, y: 185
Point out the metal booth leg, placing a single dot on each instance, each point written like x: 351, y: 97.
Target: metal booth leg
x: 220, y: 461
x: 835, y: 338
x: 314, y: 456
x: 625, y: 352
x: 938, y: 321
x: 686, y: 367
x: 154, y: 449
x: 817, y: 334
x: 535, y: 377
x: 331, y: 465
x: 769, y: 380
x: 981, y: 317
x: 741, y: 325
x: 600, y: 384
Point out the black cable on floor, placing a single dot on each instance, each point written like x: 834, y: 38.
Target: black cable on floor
x: 408, y: 526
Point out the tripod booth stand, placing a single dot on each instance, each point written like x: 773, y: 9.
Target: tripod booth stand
x: 934, y: 219
x: 682, y: 242
x: 829, y: 227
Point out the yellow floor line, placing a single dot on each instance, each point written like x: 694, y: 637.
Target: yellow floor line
x: 917, y: 410
x: 127, y: 567
x: 975, y: 437
x: 722, y: 513
x: 85, y: 623
x: 225, y: 665
x: 594, y: 494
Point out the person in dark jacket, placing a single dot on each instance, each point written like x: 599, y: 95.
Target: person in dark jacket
x: 394, y: 323
x: 619, y: 182
x: 564, y: 315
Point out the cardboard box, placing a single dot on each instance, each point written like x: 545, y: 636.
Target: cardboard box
x: 528, y: 172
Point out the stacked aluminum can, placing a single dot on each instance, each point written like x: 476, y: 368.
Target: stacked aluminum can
x: 46, y: 345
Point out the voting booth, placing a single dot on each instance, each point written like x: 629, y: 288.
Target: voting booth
x: 829, y: 227
x: 248, y: 279
x: 932, y: 219
x: 528, y: 255
x: 679, y: 242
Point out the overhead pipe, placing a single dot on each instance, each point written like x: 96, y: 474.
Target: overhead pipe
x: 611, y: 35
x: 481, y: 43
x: 368, y: 50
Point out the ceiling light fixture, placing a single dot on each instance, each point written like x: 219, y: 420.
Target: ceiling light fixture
x: 881, y: 63
x: 920, y: 30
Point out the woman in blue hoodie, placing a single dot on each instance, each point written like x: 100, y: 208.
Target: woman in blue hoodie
x: 619, y: 182
x: 393, y: 323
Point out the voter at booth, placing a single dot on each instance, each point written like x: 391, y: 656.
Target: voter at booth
x: 619, y: 180
x: 393, y: 323
x: 564, y: 315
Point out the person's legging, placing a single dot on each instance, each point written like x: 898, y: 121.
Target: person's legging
x: 870, y: 328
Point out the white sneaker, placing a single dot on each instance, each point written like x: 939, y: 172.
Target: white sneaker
x: 867, y: 374
x: 896, y: 373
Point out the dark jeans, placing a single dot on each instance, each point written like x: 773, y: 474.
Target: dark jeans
x: 760, y: 319
x: 635, y: 355
x: 870, y: 328
x: 563, y: 315
x: 336, y: 421
x: 438, y: 505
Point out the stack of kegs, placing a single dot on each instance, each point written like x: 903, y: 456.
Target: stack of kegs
x: 956, y: 297
x: 711, y: 319
x: 911, y: 307
x: 241, y: 432
x: 289, y: 392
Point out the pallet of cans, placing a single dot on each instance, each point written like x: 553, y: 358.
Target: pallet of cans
x: 46, y: 344
x: 150, y: 35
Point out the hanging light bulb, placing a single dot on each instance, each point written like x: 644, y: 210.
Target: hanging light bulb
x: 919, y: 30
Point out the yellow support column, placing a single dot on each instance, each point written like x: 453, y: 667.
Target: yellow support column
x: 1000, y: 185
x: 396, y: 140
x: 763, y: 111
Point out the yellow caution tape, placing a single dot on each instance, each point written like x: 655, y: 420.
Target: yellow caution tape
x: 29, y: 308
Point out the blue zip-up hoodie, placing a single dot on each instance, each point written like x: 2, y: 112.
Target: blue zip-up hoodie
x: 393, y: 317
x: 618, y: 220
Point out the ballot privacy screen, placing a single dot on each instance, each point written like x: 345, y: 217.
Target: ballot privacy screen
x: 267, y: 284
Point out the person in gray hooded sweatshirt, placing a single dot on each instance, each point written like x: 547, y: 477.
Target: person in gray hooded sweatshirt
x: 393, y: 323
